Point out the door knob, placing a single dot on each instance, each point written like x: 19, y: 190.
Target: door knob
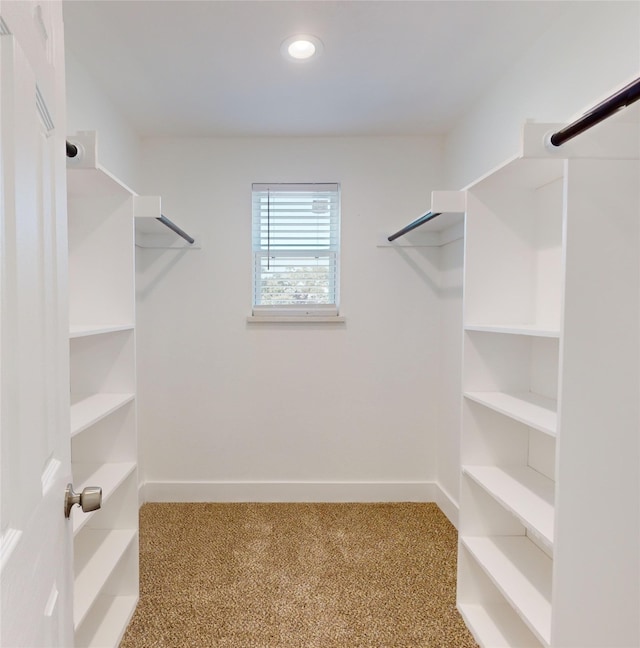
x: 90, y: 499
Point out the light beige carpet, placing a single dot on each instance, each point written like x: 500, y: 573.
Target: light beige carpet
x: 297, y: 576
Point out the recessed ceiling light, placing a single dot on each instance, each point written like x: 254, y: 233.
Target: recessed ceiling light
x: 301, y: 47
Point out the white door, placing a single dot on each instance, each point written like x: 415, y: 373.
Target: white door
x: 36, y: 543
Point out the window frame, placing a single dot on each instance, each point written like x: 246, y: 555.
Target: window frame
x: 326, y: 245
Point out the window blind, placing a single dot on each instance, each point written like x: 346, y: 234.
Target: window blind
x: 296, y: 247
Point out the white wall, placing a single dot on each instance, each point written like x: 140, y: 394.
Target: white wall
x: 590, y: 52
x: 228, y: 403
x: 89, y: 108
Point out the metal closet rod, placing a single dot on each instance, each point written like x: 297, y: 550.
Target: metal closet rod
x: 72, y: 149
x: 172, y: 226
x: 411, y: 226
x: 621, y: 99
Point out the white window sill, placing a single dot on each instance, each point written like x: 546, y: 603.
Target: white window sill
x: 297, y: 319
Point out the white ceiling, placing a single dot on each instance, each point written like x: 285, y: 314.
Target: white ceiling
x: 214, y: 67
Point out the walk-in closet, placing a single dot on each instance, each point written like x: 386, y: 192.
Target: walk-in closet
x: 320, y: 324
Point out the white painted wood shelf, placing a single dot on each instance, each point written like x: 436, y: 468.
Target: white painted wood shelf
x: 446, y: 227
x: 99, y: 551
x: 522, y: 573
x: 85, y: 330
x: 522, y: 491
x: 153, y: 233
x: 94, y: 182
x: 109, y: 476
x: 88, y: 409
x: 114, y: 614
x: 531, y: 409
x: 495, y: 624
x: 532, y: 330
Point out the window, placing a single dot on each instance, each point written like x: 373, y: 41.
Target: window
x: 296, y: 249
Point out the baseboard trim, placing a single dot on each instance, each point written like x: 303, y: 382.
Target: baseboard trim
x: 142, y: 494
x: 447, y: 505
x: 156, y: 491
x: 300, y: 492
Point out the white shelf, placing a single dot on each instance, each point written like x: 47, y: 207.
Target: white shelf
x: 531, y: 409
x: 107, y: 475
x: 522, y: 573
x: 100, y: 551
x: 520, y: 173
x: 164, y: 242
x: 495, y: 625
x: 515, y: 329
x: 94, y: 182
x: 150, y: 232
x: 88, y: 409
x: 525, y: 493
x: 77, y: 331
x: 114, y: 614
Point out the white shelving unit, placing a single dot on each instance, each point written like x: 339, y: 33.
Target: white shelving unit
x: 101, y: 214
x: 550, y: 499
